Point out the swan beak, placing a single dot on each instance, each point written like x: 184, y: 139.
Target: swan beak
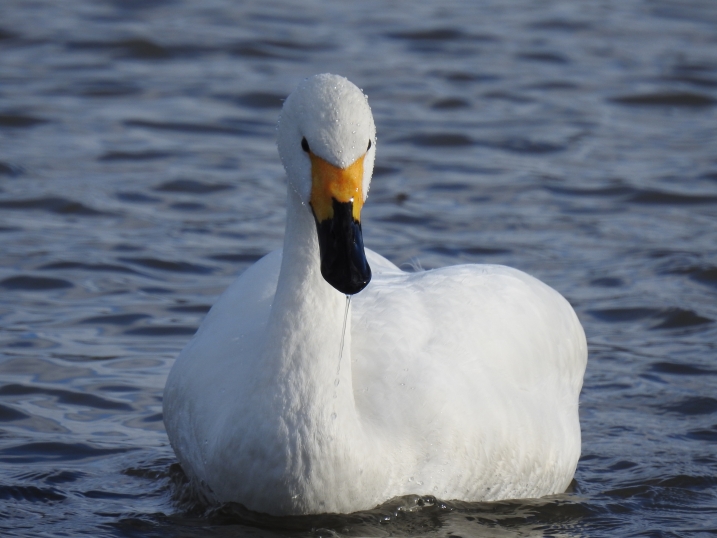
x: 336, y: 201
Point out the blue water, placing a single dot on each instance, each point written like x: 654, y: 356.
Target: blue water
x: 576, y: 141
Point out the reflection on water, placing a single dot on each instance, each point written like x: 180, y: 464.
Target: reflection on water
x: 138, y: 175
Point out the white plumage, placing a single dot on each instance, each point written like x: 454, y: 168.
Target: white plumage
x: 460, y: 382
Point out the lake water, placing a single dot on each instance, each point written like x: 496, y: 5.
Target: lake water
x: 576, y: 141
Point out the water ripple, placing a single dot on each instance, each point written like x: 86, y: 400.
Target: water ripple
x: 53, y: 204
x: 63, y: 396
x: 139, y: 175
x: 672, y: 99
x: 34, y: 283
x: 55, y: 452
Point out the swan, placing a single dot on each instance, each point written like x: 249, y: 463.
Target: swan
x: 325, y: 379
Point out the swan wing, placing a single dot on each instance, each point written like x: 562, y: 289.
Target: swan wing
x: 379, y: 264
x: 217, y: 363
x: 477, y: 368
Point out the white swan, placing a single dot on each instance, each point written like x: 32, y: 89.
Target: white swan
x: 460, y: 382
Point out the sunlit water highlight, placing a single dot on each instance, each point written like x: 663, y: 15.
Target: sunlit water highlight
x: 138, y: 176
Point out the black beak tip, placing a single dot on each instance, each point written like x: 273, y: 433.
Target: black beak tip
x: 343, y: 259
x: 348, y: 282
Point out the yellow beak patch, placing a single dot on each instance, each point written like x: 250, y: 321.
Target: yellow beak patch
x: 328, y: 182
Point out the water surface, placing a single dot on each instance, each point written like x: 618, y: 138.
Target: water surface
x: 139, y: 176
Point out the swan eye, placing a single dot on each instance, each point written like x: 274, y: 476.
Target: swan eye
x: 369, y: 145
x: 305, y: 145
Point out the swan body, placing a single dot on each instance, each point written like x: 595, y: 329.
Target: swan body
x: 460, y: 382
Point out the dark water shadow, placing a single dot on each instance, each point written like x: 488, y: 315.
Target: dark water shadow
x: 34, y: 283
x: 18, y: 120
x: 53, y: 204
x: 408, y: 515
x: 55, y: 451
x: 666, y: 99
x: 663, y: 318
x: 192, y: 186
x: 65, y: 397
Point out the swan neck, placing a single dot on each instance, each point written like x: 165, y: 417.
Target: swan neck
x: 306, y: 325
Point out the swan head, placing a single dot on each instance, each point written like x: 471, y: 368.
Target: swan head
x: 327, y: 144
